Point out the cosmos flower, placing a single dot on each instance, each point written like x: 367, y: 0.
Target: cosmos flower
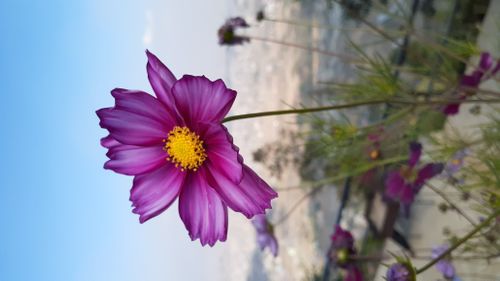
x: 265, y: 234
x: 342, y: 246
x: 175, y: 146
x: 402, y: 185
x: 444, y: 265
x: 400, y: 272
x: 353, y: 274
x: 473, y: 80
x: 454, y: 165
x: 456, y: 162
x: 227, y: 35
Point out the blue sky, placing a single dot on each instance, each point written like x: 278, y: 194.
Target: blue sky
x: 66, y: 218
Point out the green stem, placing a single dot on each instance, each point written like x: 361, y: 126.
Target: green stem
x: 354, y: 104
x: 460, y: 241
x: 323, y: 26
x: 344, y: 57
x: 439, y: 47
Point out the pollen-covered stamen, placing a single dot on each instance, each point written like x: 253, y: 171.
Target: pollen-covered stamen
x: 184, y: 148
x: 374, y: 154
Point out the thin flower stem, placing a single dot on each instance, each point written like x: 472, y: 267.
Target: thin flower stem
x: 484, y: 91
x: 347, y: 58
x: 460, y: 241
x: 453, y: 205
x: 323, y: 26
x: 378, y: 258
x: 354, y: 104
x: 456, y: 208
x: 372, y: 26
x: 439, y: 47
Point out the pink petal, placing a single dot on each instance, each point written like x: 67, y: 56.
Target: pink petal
x: 473, y: 80
x: 131, y: 128
x: 250, y: 197
x: 260, y: 223
x: 427, y: 172
x: 201, y: 100
x: 273, y: 246
x: 222, y: 154
x: 394, y: 185
x: 407, y: 195
x: 415, y: 153
x: 143, y: 104
x: 202, y: 211
x: 451, y: 109
x: 135, y: 160
x: 162, y: 80
x: 353, y: 274
x: 153, y: 193
x: 109, y: 142
x: 485, y: 62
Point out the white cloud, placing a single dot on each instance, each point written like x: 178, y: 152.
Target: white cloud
x: 147, y: 37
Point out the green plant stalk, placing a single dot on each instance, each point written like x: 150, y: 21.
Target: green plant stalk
x: 439, y: 47
x: 323, y: 26
x: 460, y: 241
x: 354, y: 104
x: 344, y: 57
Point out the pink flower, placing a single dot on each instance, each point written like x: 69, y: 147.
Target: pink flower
x: 342, y: 246
x: 353, y: 274
x: 486, y: 66
x: 403, y: 184
x: 175, y: 146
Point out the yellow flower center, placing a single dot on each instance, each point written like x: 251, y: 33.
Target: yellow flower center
x: 184, y: 148
x: 342, y: 256
x: 374, y: 154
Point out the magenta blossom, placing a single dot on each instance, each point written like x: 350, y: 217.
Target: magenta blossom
x: 444, y: 265
x: 473, y: 80
x: 175, y: 146
x: 402, y: 185
x: 265, y: 234
x: 342, y: 246
x: 353, y: 274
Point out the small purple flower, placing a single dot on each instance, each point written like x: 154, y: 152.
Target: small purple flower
x: 342, y: 246
x: 444, y: 265
x: 175, y: 146
x: 227, y: 35
x: 473, y: 80
x: 402, y: 185
x: 265, y: 234
x: 353, y: 274
x: 455, y: 164
x: 399, y: 272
